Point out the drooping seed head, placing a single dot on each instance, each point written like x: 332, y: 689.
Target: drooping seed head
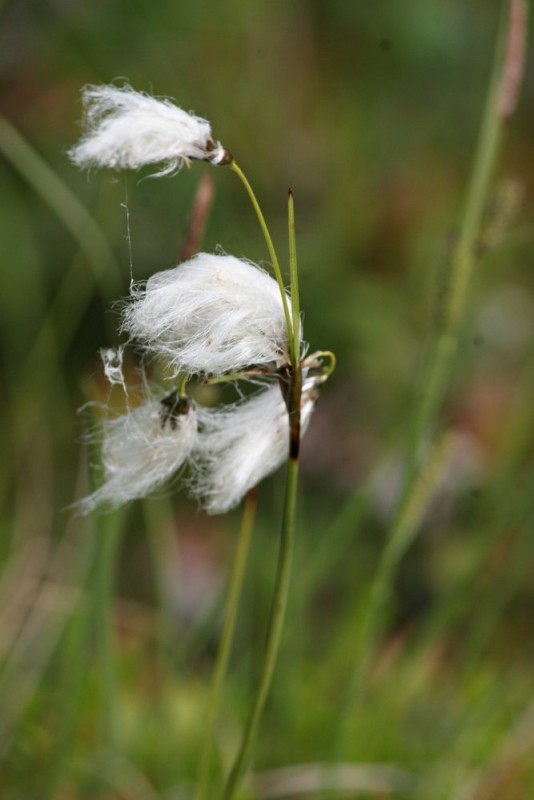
x: 125, y: 129
x: 140, y: 451
x: 241, y: 444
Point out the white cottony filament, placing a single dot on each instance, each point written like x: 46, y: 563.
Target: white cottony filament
x: 125, y: 129
x: 240, y: 444
x: 112, y: 362
x: 212, y: 315
x: 140, y: 450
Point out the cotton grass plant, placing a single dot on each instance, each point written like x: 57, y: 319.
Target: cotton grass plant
x: 214, y: 318
x: 128, y: 130
x: 220, y: 319
x: 105, y: 693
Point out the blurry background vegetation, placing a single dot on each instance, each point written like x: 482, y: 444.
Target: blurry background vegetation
x: 370, y: 112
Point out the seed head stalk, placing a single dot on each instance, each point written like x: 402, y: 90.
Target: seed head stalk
x: 221, y: 666
x: 272, y: 253
x: 293, y: 270
x: 287, y: 535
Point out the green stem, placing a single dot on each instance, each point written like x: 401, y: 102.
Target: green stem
x: 221, y: 666
x: 321, y: 354
x: 182, y: 390
x: 247, y: 374
x: 464, y: 255
x: 272, y: 253
x: 294, y: 279
x: 403, y: 532
x: 296, y: 376
x: 274, y: 633
x: 287, y: 537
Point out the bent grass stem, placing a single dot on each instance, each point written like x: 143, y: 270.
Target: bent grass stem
x: 272, y: 253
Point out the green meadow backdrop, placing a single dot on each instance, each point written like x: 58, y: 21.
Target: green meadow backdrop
x: 408, y: 675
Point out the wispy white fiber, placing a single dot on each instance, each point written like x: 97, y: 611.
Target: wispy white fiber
x: 240, y: 444
x: 112, y: 362
x: 212, y: 315
x: 140, y: 450
x: 125, y: 129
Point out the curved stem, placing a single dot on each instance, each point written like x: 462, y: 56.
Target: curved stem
x: 314, y: 361
x: 287, y: 536
x: 272, y: 253
x: 221, y: 666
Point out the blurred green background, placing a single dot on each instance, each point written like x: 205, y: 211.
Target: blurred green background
x: 370, y: 113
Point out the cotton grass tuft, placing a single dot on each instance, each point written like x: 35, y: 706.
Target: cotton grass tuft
x: 125, y: 129
x: 216, y: 317
x: 212, y: 315
x: 140, y: 451
x: 241, y: 444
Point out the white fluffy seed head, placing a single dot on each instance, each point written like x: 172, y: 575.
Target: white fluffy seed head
x: 211, y: 315
x: 238, y: 445
x: 125, y: 129
x: 140, y: 450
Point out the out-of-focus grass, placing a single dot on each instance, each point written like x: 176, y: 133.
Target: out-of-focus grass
x: 370, y: 115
